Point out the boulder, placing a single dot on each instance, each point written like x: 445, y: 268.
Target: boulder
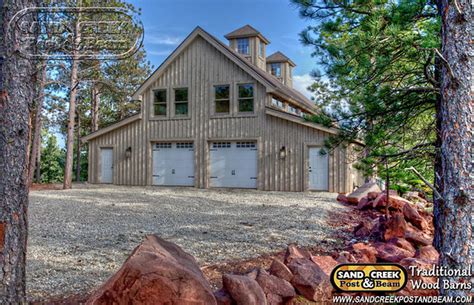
x: 372, y: 195
x: 277, y: 290
x: 277, y: 268
x: 293, y: 252
x: 362, y: 191
x: 417, y: 237
x: 387, y: 252
x: 364, y: 253
x: 397, y: 203
x: 412, y: 215
x: 404, y: 244
x: 223, y: 297
x: 310, y: 280
x: 364, y: 228
x: 395, y: 226
x: 428, y: 254
x: 326, y: 263
x: 243, y: 290
x: 345, y: 257
x: 342, y: 198
x: 380, y: 201
x: 157, y: 272
x: 419, y: 264
x: 364, y: 204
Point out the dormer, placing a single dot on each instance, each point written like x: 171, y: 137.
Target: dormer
x: 249, y: 43
x: 280, y: 66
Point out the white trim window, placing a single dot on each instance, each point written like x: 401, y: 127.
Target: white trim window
x: 275, y: 69
x: 243, y: 46
x: 245, y: 92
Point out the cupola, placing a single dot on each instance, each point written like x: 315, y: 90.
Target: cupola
x: 280, y: 66
x: 250, y: 43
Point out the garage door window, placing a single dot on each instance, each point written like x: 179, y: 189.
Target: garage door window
x: 159, y: 102
x: 246, y: 98
x: 181, y: 102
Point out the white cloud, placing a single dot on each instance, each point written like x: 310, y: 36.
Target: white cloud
x: 302, y: 82
x: 159, y: 53
x: 162, y: 39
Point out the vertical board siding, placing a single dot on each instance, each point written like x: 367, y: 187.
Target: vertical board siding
x: 199, y: 67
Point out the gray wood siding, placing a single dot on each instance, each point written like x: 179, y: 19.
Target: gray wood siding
x: 199, y: 67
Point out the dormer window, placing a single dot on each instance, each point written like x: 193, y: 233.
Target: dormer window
x: 243, y: 46
x: 261, y: 48
x: 276, y: 69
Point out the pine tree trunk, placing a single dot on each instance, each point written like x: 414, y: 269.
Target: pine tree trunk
x: 72, y: 111
x: 37, y: 126
x: 16, y: 97
x: 78, y: 150
x: 38, y: 164
x: 457, y: 114
x: 95, y: 108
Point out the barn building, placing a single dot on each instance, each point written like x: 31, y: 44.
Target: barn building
x: 221, y: 115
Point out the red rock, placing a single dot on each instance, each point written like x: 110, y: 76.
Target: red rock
x: 293, y: 252
x: 428, y: 253
x: 310, y: 280
x: 395, y: 226
x: 412, y: 215
x: 404, y: 244
x: 417, y: 237
x: 326, y: 263
x: 387, y: 252
x: 223, y: 297
x: 364, y: 204
x: 419, y: 264
x: 277, y: 290
x: 364, y: 253
x: 243, y: 290
x: 397, y: 202
x: 280, y: 270
x: 345, y: 258
x: 372, y: 195
x: 342, y: 198
x: 380, y: 201
x: 157, y: 272
x: 362, y: 191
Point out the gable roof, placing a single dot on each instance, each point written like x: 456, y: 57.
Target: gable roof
x: 246, y: 31
x: 279, y: 57
x: 112, y: 127
x: 273, y: 84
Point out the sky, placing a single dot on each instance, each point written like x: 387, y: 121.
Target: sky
x: 168, y: 22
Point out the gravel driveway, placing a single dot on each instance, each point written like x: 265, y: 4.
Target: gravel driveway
x: 79, y: 237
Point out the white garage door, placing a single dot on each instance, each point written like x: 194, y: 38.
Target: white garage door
x: 173, y: 164
x: 106, y: 165
x: 318, y: 170
x: 233, y: 164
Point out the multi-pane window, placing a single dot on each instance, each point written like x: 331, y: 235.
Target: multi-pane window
x: 243, y: 46
x: 277, y: 103
x: 261, y: 47
x: 276, y: 69
x: 245, y: 97
x: 181, y: 101
x: 159, y: 102
x: 222, y: 98
x: 292, y: 109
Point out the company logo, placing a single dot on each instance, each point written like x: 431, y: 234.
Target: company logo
x: 369, y: 277
x: 75, y: 33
